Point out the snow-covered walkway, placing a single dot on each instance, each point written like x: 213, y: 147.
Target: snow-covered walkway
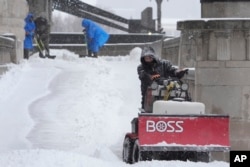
x: 71, y: 112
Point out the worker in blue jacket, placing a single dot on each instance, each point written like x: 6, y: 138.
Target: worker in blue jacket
x: 95, y: 35
x: 29, y: 34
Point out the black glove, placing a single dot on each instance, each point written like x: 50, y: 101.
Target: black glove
x: 180, y: 73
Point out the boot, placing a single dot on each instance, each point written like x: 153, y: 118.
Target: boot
x: 89, y: 53
x: 41, y: 55
x: 95, y: 54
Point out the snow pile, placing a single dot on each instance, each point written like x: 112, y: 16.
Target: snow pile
x: 71, y: 112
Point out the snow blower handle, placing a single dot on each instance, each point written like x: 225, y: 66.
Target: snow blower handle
x: 180, y: 73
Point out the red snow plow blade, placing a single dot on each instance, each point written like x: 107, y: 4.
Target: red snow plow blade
x: 183, y: 132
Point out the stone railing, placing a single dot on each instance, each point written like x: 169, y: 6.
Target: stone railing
x: 6, y: 42
x: 12, y: 14
x: 118, y: 44
x: 7, y: 47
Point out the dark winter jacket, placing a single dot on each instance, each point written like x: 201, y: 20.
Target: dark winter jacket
x: 29, y: 31
x: 42, y: 26
x: 96, y: 36
x: 43, y: 30
x: 162, y: 67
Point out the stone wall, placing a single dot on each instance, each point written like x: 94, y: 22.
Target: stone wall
x: 41, y: 8
x: 7, y: 45
x: 225, y: 8
x: 170, y: 50
x: 12, y: 14
x: 219, y: 51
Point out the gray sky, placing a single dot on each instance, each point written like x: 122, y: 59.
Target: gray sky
x: 133, y: 8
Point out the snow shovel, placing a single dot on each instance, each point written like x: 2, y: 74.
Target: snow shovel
x: 41, y: 48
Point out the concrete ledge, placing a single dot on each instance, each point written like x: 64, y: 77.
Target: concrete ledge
x: 208, y: 64
x: 218, y: 24
x: 226, y: 64
x: 238, y: 64
x: 223, y: 76
x: 121, y: 49
x: 6, y: 42
x: 108, y: 49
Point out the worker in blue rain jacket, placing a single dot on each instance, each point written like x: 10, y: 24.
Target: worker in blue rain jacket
x: 29, y: 35
x: 96, y: 37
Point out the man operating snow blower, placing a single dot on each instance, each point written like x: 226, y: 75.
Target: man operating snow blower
x: 152, y: 69
x: 169, y: 125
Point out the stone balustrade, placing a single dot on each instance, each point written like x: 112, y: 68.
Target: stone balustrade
x: 12, y: 14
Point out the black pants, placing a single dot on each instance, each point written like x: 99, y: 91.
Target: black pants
x: 26, y: 53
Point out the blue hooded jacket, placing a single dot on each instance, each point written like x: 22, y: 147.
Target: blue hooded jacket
x: 96, y: 36
x: 29, y: 31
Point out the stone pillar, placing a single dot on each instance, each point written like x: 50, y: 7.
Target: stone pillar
x: 41, y: 8
x: 222, y: 67
x: 147, y: 19
x: 191, y: 43
x: 12, y: 14
x: 159, y: 2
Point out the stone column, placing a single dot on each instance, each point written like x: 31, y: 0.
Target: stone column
x: 12, y: 14
x: 147, y: 19
x: 247, y: 36
x: 221, y: 72
x: 199, y: 45
x: 223, y: 45
x: 159, y: 2
x: 41, y: 8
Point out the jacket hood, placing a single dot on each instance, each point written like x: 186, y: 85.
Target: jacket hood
x: 86, y: 23
x: 27, y: 19
x: 148, y: 51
